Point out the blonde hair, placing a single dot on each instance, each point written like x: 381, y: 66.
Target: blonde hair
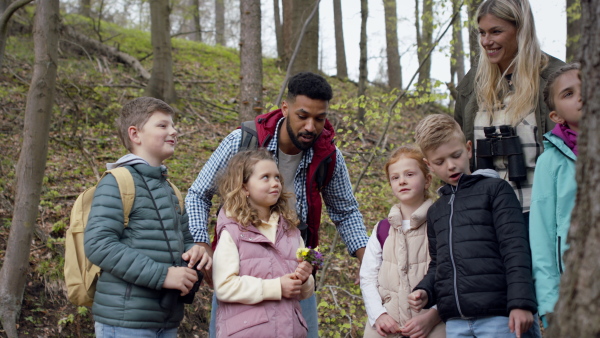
x: 136, y: 113
x: 437, y: 129
x: 231, y: 189
x: 412, y: 153
x: 490, y: 87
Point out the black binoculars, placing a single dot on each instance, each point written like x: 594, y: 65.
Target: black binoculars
x: 506, y: 143
x: 171, y: 297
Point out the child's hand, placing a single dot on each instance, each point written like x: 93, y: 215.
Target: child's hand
x: 417, y: 300
x: 303, y: 271
x: 421, y: 326
x: 195, y: 254
x: 385, y: 325
x: 180, y: 278
x: 520, y: 321
x: 290, y: 286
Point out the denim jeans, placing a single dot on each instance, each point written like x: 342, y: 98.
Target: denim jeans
x: 109, y: 331
x: 309, y: 312
x: 488, y: 327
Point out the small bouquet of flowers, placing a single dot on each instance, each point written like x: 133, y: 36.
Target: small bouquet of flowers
x: 310, y: 255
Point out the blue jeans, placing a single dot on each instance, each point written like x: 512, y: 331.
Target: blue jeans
x: 309, y: 312
x: 109, y: 331
x: 488, y: 327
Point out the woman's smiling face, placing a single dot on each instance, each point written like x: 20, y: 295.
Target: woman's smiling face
x: 499, y: 39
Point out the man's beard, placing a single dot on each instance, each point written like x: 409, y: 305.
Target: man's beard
x: 303, y: 146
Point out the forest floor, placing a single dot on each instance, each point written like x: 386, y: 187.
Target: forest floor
x: 90, y: 91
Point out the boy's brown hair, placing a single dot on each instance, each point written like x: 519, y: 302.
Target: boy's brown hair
x: 435, y: 130
x: 136, y: 113
x: 548, y: 90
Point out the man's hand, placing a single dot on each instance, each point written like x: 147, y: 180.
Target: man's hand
x: 359, y: 254
x: 417, y: 300
x: 520, y: 321
x: 303, y: 271
x: 421, y: 326
x: 290, y: 286
x: 180, y: 278
x: 385, y: 325
x: 207, y: 271
x: 197, y: 253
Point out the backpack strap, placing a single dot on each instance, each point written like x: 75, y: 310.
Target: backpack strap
x: 126, y: 189
x: 383, y: 230
x: 179, y: 196
x: 249, y: 136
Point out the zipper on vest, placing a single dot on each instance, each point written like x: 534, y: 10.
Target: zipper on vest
x: 451, y: 203
x: 560, y: 268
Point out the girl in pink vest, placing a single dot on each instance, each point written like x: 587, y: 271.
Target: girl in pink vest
x: 397, y: 254
x: 257, y: 278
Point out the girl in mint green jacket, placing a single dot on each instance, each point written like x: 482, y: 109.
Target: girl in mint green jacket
x: 554, y: 186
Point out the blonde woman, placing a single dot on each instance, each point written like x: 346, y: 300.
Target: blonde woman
x: 505, y: 89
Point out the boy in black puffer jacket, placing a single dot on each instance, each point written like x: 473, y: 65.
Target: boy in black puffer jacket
x: 480, y: 270
x: 138, y: 260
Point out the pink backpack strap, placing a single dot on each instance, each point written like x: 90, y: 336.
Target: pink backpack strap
x: 383, y: 230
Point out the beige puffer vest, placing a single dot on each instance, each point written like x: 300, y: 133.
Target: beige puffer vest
x: 405, y: 263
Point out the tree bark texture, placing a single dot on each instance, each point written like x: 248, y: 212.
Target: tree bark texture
x: 7, y: 9
x: 473, y: 31
x: 457, y: 60
x: 394, y: 69
x: 85, y: 8
x: 220, y: 22
x: 576, y: 313
x: 161, y: 85
x: 278, y: 29
x: 362, y: 63
x: 295, y: 14
x: 192, y: 21
x: 424, y: 27
x: 32, y: 163
x: 573, y: 30
x: 250, y: 60
x: 340, y: 47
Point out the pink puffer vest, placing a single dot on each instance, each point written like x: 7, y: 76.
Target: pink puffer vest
x: 261, y: 258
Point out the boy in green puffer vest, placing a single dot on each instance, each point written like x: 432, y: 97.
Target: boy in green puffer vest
x: 147, y: 265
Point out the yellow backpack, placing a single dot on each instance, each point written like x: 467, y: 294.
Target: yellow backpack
x: 80, y: 274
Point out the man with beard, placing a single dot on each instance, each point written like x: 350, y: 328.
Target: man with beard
x: 301, y: 140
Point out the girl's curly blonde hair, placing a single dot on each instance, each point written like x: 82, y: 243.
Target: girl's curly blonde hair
x: 231, y: 189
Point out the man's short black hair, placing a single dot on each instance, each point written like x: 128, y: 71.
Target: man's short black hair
x: 309, y: 84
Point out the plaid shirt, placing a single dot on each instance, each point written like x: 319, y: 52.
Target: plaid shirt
x: 337, y: 195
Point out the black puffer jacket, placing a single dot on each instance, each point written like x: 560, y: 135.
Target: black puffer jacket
x: 480, y: 258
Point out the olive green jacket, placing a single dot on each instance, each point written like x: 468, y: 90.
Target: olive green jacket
x: 466, y: 107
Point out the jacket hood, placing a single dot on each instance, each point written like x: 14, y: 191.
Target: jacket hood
x: 130, y: 159
x: 487, y: 173
x: 553, y: 141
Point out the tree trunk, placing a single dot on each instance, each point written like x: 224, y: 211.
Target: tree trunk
x: 576, y: 313
x: 457, y: 60
x: 32, y: 163
x: 424, y: 27
x: 161, y: 84
x: 573, y: 29
x: 394, y: 69
x: 340, y: 48
x: 295, y: 13
x: 250, y: 60
x: 85, y: 8
x: 7, y: 9
x: 195, y: 26
x: 278, y: 29
x: 362, y: 64
x: 220, y: 22
x: 473, y: 29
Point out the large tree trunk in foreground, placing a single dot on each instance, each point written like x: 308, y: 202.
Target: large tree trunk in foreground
x: 32, y: 163
x: 576, y: 313
x: 394, y: 69
x: 161, y: 85
x: 340, y: 47
x: 362, y: 63
x: 250, y: 60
